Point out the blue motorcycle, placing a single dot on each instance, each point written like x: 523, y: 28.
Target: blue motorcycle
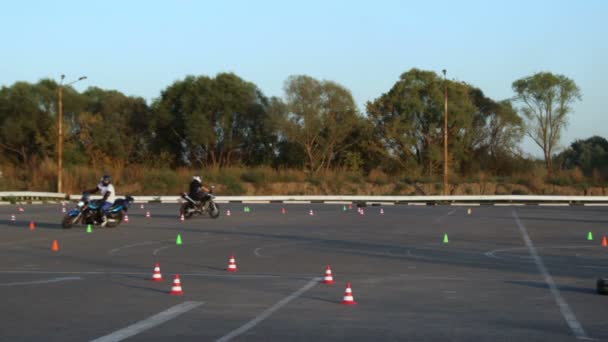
x: 89, y: 212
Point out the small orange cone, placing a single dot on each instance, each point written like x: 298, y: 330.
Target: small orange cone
x: 55, y: 247
x: 13, y: 218
x: 21, y: 209
x: 32, y: 225
x: 283, y: 211
x: 147, y: 214
x: 176, y: 289
x: 181, y: 217
x: 232, y: 264
x: 381, y: 211
x: 311, y: 213
x: 605, y: 242
x: 228, y: 212
x: 348, y: 296
x: 157, y: 276
x: 126, y: 218
x: 362, y: 212
x: 350, y: 206
x: 141, y: 206
x: 63, y: 210
x: 328, y: 279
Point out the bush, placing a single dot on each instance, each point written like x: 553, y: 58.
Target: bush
x: 378, y: 177
x: 231, y: 187
x: 256, y: 177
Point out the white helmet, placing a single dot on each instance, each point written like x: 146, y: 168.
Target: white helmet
x: 197, y: 178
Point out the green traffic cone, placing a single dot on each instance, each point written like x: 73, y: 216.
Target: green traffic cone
x: 343, y: 208
x: 89, y: 228
x: 178, y: 241
x: 445, y: 238
x: 590, y: 236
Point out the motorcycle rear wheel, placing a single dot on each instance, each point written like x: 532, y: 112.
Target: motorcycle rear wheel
x: 183, y: 210
x: 118, y: 220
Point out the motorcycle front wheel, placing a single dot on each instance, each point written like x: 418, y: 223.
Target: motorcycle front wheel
x: 214, y: 210
x: 68, y: 221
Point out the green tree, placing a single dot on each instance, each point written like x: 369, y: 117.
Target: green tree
x: 112, y: 128
x: 498, y: 131
x: 28, y: 120
x: 214, y: 121
x: 547, y: 100
x: 318, y: 116
x: 409, y: 120
x: 590, y: 155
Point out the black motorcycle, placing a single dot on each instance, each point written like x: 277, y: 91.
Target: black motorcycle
x: 89, y: 212
x: 206, y: 205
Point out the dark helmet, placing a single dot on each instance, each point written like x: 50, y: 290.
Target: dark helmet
x: 106, y: 179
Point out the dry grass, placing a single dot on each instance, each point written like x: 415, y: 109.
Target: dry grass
x: 138, y: 179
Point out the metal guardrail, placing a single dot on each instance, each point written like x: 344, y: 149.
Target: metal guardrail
x: 21, y: 196
x: 24, y: 196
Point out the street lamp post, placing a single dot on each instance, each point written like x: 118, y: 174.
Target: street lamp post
x: 60, y: 130
x: 445, y: 137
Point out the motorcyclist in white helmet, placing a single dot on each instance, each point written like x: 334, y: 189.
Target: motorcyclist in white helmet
x: 197, y: 191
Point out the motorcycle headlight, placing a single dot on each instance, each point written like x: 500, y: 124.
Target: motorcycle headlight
x: 80, y: 204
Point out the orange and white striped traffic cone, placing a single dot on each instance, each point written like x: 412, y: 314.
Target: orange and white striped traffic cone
x: 328, y: 279
x: 348, y: 296
x: 157, y: 276
x: 176, y: 289
x: 232, y: 264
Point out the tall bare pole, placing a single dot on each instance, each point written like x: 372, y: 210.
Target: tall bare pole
x: 446, y: 190
x: 60, y: 130
x: 60, y: 136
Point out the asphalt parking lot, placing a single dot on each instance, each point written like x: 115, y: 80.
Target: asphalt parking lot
x: 507, y: 273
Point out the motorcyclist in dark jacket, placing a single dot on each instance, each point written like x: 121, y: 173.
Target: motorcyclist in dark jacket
x: 197, y: 192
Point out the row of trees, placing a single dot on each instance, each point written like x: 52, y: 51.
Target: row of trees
x: 221, y: 121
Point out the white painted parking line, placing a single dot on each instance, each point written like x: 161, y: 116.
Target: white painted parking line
x: 440, y: 218
x: 46, y: 281
x: 144, y: 243
x: 261, y: 317
x: 149, y: 323
x: 567, y: 313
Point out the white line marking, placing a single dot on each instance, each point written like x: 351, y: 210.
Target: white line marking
x: 437, y: 220
x: 565, y: 309
x: 149, y: 323
x: 116, y: 250
x: 492, y: 253
x: 160, y: 249
x: 156, y: 251
x: 244, y: 328
x: 47, y: 281
x: 257, y: 250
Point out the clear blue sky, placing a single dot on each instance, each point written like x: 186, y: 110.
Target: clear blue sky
x: 140, y: 47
